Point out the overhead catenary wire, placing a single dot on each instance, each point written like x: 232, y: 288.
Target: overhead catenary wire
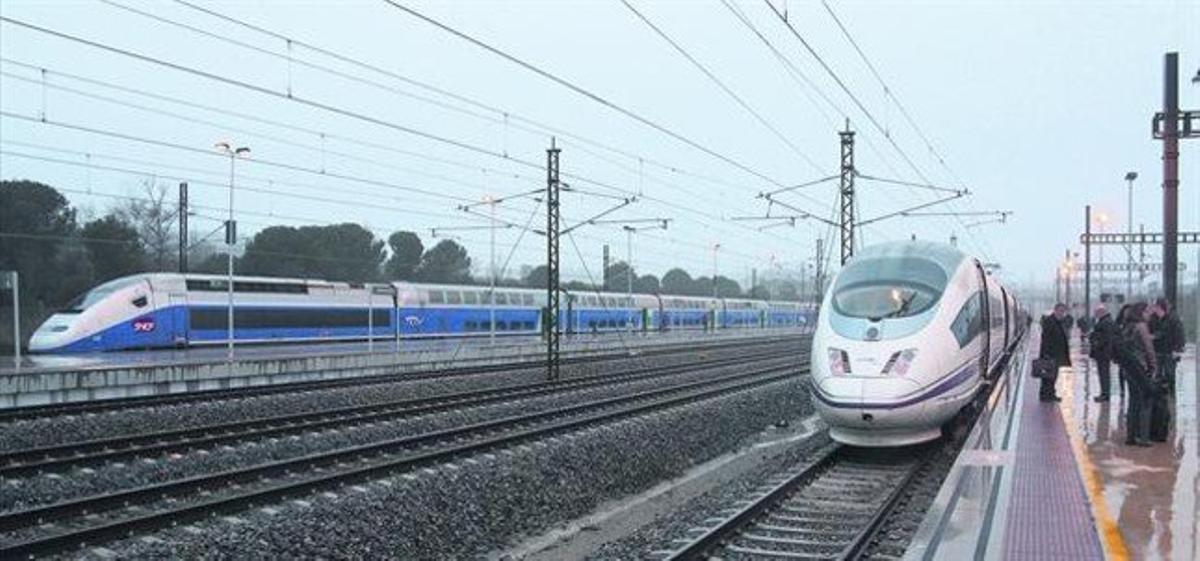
x: 805, y: 83
x: 506, y: 114
x: 854, y: 98
x: 293, y: 98
x: 279, y: 95
x: 724, y: 87
x: 265, y: 136
x: 583, y: 92
x: 539, y: 168
x: 308, y: 220
x: 890, y: 94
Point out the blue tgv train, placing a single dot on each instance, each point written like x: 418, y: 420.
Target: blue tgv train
x: 162, y: 310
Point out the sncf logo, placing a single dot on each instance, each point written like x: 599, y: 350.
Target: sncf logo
x: 143, y: 325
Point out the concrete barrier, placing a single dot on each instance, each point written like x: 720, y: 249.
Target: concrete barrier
x: 59, y: 385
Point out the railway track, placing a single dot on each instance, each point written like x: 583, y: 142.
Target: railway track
x: 126, y: 447
x: 100, y: 406
x: 829, y: 509
x: 90, y: 520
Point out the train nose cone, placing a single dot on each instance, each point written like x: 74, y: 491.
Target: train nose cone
x: 54, y: 333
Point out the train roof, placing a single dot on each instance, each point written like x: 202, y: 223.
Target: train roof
x: 946, y: 256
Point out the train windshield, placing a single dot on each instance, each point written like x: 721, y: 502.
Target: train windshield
x: 91, y: 297
x: 889, y: 287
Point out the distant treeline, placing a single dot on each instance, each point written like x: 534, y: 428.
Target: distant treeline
x: 59, y: 256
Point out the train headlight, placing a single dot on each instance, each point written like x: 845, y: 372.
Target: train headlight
x: 839, y: 362
x: 898, y: 364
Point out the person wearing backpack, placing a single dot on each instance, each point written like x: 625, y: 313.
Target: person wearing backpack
x: 1100, y: 348
x: 1135, y: 354
x: 1120, y: 327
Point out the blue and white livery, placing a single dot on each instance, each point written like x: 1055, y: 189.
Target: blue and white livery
x: 910, y: 332
x: 159, y: 310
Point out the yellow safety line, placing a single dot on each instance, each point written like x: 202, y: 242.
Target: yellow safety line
x: 1093, y: 484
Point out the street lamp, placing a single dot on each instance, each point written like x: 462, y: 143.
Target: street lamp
x: 491, y: 202
x: 231, y: 229
x: 716, y: 247
x: 1129, y: 177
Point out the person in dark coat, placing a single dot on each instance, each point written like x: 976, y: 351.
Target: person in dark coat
x: 1120, y: 320
x: 1055, y: 346
x: 1101, y: 340
x: 1139, y: 361
x: 1169, y: 339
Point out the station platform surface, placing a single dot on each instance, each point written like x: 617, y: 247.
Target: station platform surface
x: 1056, y: 481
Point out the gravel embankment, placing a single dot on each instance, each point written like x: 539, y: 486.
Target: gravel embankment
x: 46, y: 489
x: 658, y: 535
x: 486, y: 502
x: 75, y: 428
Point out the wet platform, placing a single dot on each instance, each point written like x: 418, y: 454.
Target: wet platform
x: 1056, y: 482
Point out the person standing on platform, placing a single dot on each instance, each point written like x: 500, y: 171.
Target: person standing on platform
x: 1084, y: 324
x: 1100, y: 348
x: 1168, y: 340
x: 1135, y: 354
x: 1055, y: 346
x: 1120, y: 321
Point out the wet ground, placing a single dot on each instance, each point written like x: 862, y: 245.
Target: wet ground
x: 1152, y: 494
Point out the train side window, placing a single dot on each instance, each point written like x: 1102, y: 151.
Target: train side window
x: 470, y: 298
x: 453, y: 297
x: 140, y: 302
x: 437, y: 297
x: 969, y: 321
x: 528, y: 299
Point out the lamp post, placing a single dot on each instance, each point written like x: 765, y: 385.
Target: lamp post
x: 629, y: 230
x: 491, y: 202
x: 231, y: 230
x: 1129, y: 177
x: 716, y: 247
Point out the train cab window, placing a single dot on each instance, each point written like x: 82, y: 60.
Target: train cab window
x: 437, y: 297
x: 969, y: 321
x: 140, y: 302
x: 91, y: 297
x: 888, y: 287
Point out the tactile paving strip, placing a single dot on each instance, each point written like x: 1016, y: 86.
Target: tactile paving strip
x: 1049, y: 515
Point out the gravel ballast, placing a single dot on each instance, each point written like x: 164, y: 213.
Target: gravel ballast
x: 657, y: 536
x: 46, y: 489
x: 75, y: 428
x: 485, y: 502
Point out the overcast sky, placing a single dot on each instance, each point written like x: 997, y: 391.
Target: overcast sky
x: 1035, y: 107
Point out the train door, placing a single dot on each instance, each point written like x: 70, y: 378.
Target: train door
x: 985, y: 309
x: 177, y: 311
x: 1007, y: 319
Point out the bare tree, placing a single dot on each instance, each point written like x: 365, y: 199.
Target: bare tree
x: 154, y: 217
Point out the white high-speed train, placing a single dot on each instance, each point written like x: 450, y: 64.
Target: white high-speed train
x: 909, y: 332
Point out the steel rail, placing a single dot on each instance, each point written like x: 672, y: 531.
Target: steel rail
x: 515, y: 428
x: 722, y: 535
x: 24, y: 462
x: 81, y: 407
